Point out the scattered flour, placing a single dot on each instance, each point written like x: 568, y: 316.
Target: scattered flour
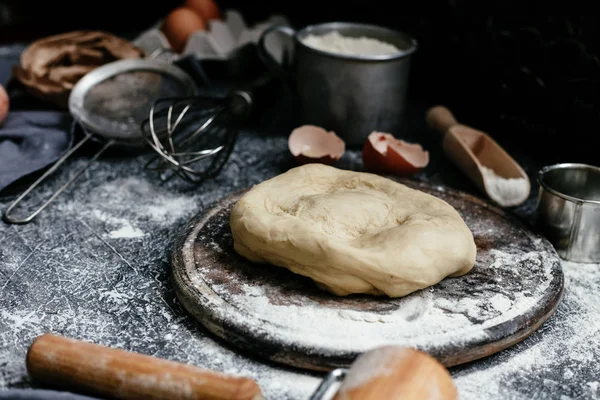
x: 303, y: 323
x: 120, y: 227
x: 81, y: 291
x: 115, y: 297
x: 432, y: 319
x: 439, y: 313
x: 334, y: 42
x: 124, y: 206
x: 506, y: 192
x: 58, y: 276
x: 569, y: 343
x: 500, y: 302
x: 143, y: 199
x: 126, y: 231
x: 21, y: 319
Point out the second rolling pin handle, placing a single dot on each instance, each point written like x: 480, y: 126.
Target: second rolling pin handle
x: 390, y: 373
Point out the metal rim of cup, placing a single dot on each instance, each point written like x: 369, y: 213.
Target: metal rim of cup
x: 332, y: 26
x: 544, y: 171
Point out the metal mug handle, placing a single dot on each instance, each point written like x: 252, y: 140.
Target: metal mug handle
x: 12, y: 220
x: 267, y: 58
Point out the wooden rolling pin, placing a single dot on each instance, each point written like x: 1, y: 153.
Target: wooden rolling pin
x: 117, y: 374
x: 391, y: 373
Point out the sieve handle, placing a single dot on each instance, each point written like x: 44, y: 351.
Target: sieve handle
x: 13, y: 220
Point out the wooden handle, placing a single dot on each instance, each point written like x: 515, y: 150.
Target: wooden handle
x: 118, y: 374
x: 397, y: 373
x: 440, y: 118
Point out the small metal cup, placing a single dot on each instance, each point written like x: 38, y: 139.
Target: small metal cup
x: 568, y: 210
x: 351, y: 95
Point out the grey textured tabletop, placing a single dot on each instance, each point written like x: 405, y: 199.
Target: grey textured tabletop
x: 95, y: 266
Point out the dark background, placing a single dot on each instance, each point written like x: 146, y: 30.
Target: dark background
x: 527, y: 78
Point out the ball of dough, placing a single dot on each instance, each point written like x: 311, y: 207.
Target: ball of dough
x: 352, y: 232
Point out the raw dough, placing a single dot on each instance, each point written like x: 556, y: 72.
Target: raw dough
x: 352, y: 232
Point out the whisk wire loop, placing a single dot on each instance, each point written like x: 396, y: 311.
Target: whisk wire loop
x: 194, y: 136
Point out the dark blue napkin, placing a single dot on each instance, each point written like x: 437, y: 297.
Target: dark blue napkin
x: 40, y: 394
x: 30, y: 141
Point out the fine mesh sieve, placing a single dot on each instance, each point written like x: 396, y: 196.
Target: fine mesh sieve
x: 110, y: 103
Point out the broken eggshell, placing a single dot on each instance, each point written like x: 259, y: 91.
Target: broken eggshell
x: 384, y: 153
x: 313, y: 144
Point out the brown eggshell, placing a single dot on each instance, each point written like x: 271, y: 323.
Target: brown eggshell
x: 180, y: 24
x: 313, y: 144
x: 384, y: 153
x: 208, y: 9
x: 4, y: 104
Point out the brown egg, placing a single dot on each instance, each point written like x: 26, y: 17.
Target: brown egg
x: 180, y: 24
x: 208, y: 9
x: 313, y: 144
x: 4, y: 103
x: 383, y: 153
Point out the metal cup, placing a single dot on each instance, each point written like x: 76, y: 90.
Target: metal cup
x: 568, y: 210
x: 351, y: 95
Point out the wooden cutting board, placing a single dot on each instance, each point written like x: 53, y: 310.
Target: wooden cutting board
x: 514, y: 287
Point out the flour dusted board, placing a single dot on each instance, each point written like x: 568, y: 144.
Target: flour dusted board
x: 514, y: 287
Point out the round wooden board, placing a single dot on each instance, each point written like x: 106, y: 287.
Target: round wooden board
x: 515, y: 285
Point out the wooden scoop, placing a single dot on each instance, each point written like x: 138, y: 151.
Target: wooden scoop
x: 118, y: 374
x: 471, y: 150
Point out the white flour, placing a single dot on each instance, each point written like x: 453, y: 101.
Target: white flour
x: 86, y: 291
x: 121, y: 227
x: 277, y: 384
x: 146, y: 200
x: 126, y: 231
x: 506, y: 192
x: 334, y: 42
x: 423, y: 320
x: 563, y: 348
x: 122, y: 205
x: 434, y: 324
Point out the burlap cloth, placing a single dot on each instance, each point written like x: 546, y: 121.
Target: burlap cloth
x: 51, y: 66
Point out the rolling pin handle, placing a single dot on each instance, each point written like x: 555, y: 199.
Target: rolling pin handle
x: 396, y: 373
x: 113, y: 373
